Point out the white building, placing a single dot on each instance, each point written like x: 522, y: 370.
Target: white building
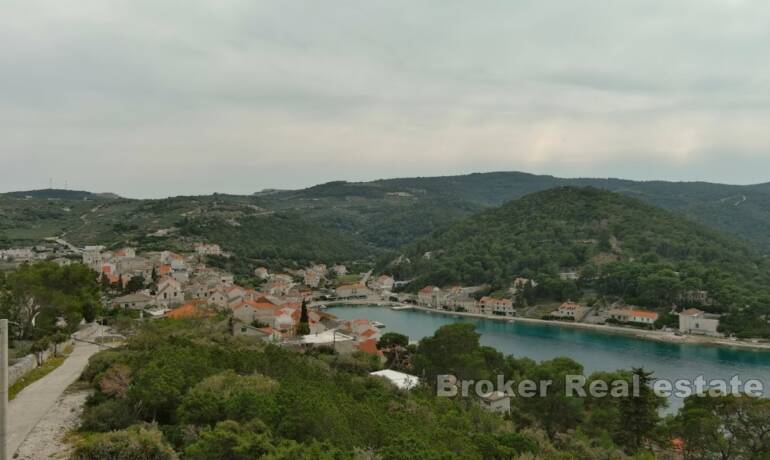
x: 694, y: 321
x: 431, y: 296
x: 401, y: 380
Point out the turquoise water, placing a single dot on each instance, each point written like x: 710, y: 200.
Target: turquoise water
x: 596, y: 351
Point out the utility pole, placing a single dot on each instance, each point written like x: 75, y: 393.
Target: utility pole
x: 3, y: 389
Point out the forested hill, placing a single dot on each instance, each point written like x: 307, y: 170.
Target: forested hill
x: 621, y: 247
x: 741, y: 210
x: 342, y: 221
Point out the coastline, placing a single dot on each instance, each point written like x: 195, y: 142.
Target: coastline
x: 659, y: 336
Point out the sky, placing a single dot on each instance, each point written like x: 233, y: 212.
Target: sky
x: 154, y: 98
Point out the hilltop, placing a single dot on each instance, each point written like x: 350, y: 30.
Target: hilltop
x: 618, y: 246
x: 743, y: 211
x: 61, y: 194
x: 344, y: 221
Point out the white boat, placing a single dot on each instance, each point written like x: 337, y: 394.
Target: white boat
x: 322, y: 307
x: 378, y: 324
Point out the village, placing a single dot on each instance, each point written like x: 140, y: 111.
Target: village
x: 169, y: 284
x: 461, y: 300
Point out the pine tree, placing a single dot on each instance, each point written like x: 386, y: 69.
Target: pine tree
x: 638, y: 413
x: 303, y: 328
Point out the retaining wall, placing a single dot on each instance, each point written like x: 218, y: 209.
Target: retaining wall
x: 29, y: 362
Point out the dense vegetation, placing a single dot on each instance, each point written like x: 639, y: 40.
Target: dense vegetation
x: 44, y: 292
x: 371, y: 216
x: 188, y: 389
x: 621, y: 247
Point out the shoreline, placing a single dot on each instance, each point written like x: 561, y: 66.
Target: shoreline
x: 658, y: 336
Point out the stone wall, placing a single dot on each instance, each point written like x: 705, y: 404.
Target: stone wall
x: 29, y: 362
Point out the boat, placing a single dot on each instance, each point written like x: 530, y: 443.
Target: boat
x: 378, y: 324
x: 322, y: 307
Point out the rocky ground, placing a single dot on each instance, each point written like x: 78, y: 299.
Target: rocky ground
x: 46, y: 440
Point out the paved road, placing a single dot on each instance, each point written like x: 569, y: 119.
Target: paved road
x: 34, y: 402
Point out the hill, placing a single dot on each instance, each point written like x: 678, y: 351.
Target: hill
x: 622, y: 248
x: 367, y: 217
x: 743, y: 211
x: 61, y: 194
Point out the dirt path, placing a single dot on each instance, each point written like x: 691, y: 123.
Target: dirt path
x: 29, y: 408
x: 46, y: 440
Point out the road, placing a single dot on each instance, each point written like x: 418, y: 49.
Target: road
x: 33, y: 403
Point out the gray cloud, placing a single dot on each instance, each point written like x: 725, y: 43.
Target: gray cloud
x: 162, y: 97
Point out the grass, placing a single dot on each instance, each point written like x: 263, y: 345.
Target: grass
x: 38, y: 373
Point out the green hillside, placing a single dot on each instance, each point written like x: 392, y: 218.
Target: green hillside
x: 623, y: 248
x: 741, y: 210
x: 358, y: 220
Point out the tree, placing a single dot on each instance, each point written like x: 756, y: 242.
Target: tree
x: 39, y: 347
x: 136, y: 283
x: 555, y: 411
x: 104, y: 281
x: 43, y: 292
x: 89, y: 312
x: 303, y: 328
x: 57, y: 339
x: 394, y: 346
x: 723, y: 426
x: 453, y: 350
x: 638, y: 413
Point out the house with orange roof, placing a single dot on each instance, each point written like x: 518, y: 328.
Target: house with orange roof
x: 286, y: 319
x: 643, y: 316
x: 261, y: 310
x: 370, y: 347
x: 633, y: 315
x: 570, y: 310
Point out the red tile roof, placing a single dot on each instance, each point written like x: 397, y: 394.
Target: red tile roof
x: 644, y: 314
x: 369, y: 347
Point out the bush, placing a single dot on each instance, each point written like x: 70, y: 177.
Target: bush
x: 109, y: 415
x: 100, y: 362
x: 229, y: 396
x: 134, y: 443
x: 41, y: 345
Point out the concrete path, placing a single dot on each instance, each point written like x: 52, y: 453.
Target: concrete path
x: 34, y: 402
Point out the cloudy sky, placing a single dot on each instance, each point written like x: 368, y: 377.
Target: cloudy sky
x: 150, y: 98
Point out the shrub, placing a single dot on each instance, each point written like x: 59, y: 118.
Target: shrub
x: 135, y: 443
x: 229, y: 396
x: 109, y: 415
